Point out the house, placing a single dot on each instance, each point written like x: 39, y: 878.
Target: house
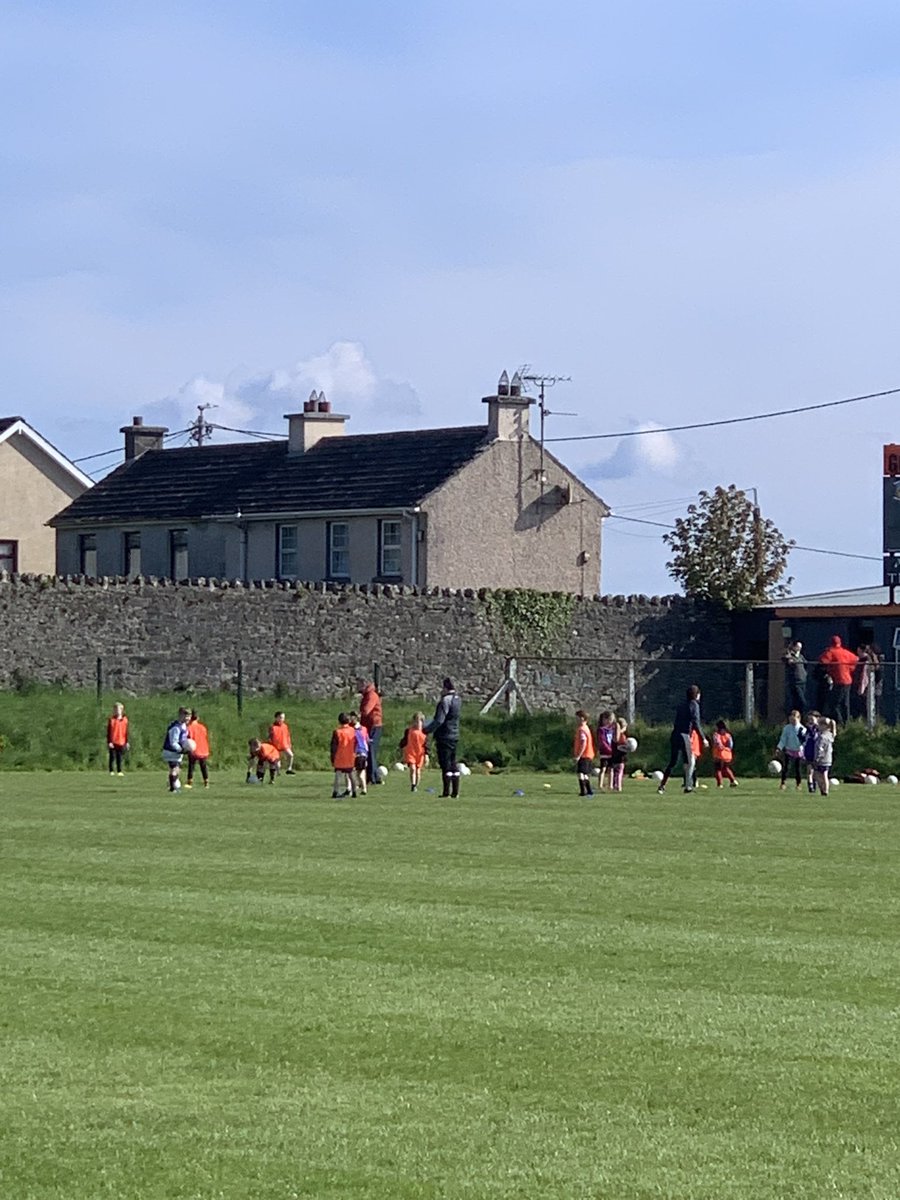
x: 35, y: 479
x: 468, y: 506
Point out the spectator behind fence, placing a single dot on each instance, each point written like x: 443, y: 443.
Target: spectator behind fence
x: 839, y: 663
x: 795, y: 676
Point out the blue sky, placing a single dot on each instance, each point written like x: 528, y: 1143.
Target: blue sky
x: 688, y: 208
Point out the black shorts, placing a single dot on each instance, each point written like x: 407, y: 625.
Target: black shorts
x: 584, y: 766
x: 361, y: 762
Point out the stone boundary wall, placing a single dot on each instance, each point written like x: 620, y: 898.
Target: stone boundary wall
x: 315, y: 639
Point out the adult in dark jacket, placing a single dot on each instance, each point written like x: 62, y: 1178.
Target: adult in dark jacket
x: 444, y: 727
x: 795, y: 677
x: 687, y: 719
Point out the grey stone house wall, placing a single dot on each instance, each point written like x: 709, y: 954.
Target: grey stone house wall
x: 317, y: 638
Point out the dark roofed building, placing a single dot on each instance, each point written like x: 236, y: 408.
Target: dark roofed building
x: 467, y: 506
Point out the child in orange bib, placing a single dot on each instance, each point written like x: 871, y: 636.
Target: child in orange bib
x: 343, y: 758
x: 414, y: 748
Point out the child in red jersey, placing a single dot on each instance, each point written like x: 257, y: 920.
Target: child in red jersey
x: 583, y: 753
x: 117, y: 738
x: 343, y: 758
x: 723, y: 754
x: 414, y: 748
x: 280, y: 738
x: 266, y: 757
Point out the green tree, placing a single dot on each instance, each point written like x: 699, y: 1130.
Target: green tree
x: 724, y: 552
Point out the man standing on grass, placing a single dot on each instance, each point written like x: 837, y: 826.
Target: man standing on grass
x: 445, y: 727
x: 371, y: 720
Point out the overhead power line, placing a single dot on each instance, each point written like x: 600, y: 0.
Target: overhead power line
x: 805, y: 549
x: 782, y: 412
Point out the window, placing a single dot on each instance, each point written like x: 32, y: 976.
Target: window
x: 87, y: 554
x: 132, y: 554
x: 338, y: 550
x: 390, y: 548
x: 287, y: 552
x: 178, y: 554
x: 9, y: 555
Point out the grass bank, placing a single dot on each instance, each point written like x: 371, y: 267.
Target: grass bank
x: 45, y: 728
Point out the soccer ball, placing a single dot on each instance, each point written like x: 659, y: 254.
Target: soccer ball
x: 382, y: 772
x: 774, y: 768
x: 871, y: 779
x: 176, y: 786
x: 893, y: 779
x: 630, y: 745
x: 835, y: 782
x: 658, y: 776
x: 596, y: 771
x: 488, y: 765
x: 464, y: 770
x: 188, y: 745
x: 399, y: 766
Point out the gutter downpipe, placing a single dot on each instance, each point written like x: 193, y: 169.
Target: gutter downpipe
x: 413, y: 515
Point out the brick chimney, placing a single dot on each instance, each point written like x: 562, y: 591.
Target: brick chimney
x: 508, y: 410
x: 317, y: 421
x: 140, y: 437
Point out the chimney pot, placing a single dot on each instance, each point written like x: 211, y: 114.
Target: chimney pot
x: 310, y: 404
x: 503, y: 385
x: 324, y: 405
x: 515, y: 387
x: 137, y: 420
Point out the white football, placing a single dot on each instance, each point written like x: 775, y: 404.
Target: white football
x: 464, y: 770
x: 658, y: 776
x: 188, y: 745
x: 176, y: 786
x: 893, y: 779
x: 399, y: 766
x: 382, y: 772
x: 871, y: 779
x: 596, y: 771
x: 774, y: 768
x: 835, y: 782
x: 630, y: 745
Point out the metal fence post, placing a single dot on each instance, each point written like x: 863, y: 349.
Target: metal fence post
x: 870, y: 705
x: 512, y: 692
x: 748, y: 693
x: 630, y: 702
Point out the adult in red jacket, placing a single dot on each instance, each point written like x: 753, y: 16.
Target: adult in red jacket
x: 839, y: 663
x: 371, y: 720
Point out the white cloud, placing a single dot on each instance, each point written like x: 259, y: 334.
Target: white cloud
x: 653, y: 453
x: 260, y: 400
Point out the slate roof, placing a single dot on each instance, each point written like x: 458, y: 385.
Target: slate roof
x: 346, y: 473
x: 5, y: 423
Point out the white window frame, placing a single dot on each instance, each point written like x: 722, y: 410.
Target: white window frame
x: 131, y: 551
x: 178, y: 547
x: 9, y: 555
x: 390, y: 549
x: 87, y: 552
x: 288, y: 555
x: 338, y: 554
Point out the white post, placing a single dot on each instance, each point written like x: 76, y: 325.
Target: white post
x: 630, y: 703
x: 748, y: 693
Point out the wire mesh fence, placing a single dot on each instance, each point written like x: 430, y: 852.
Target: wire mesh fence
x: 648, y: 689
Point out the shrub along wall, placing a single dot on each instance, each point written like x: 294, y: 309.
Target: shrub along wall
x: 315, y: 639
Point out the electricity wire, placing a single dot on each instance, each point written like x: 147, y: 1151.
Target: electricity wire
x: 805, y: 549
x: 782, y: 412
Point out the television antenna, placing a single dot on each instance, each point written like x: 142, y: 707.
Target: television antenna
x: 543, y: 382
x: 200, y: 429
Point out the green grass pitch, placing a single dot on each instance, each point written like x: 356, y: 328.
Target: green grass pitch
x: 257, y: 992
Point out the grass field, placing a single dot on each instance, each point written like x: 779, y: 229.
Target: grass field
x: 261, y: 993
